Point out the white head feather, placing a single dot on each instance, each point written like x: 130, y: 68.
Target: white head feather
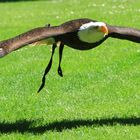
x: 92, y: 24
x: 90, y: 34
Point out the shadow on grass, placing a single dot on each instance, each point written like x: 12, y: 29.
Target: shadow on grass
x: 24, y: 126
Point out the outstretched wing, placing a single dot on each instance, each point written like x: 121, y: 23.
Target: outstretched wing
x: 126, y: 33
x: 29, y: 37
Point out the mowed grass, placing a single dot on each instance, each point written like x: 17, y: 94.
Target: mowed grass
x: 99, y: 95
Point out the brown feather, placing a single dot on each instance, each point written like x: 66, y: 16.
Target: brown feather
x: 67, y: 34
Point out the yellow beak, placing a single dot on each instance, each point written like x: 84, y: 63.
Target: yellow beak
x: 104, y: 30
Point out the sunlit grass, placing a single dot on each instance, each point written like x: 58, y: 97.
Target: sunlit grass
x: 99, y: 95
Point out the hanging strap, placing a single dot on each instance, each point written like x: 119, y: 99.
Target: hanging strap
x: 47, y: 69
x: 61, y: 47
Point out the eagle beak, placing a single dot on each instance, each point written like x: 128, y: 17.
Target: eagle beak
x: 104, y: 30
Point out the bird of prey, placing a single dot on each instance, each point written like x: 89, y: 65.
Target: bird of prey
x: 80, y: 34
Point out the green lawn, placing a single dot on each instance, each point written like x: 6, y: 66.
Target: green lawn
x: 99, y: 96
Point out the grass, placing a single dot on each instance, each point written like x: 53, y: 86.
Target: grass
x: 99, y: 96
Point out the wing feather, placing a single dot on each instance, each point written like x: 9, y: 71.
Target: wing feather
x: 126, y: 33
x: 29, y: 37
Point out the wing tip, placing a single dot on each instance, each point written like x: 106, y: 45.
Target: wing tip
x: 2, y: 52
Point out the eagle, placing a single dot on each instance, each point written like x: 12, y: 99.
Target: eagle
x: 80, y: 34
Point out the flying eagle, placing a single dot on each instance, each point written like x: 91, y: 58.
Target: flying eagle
x: 80, y: 34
